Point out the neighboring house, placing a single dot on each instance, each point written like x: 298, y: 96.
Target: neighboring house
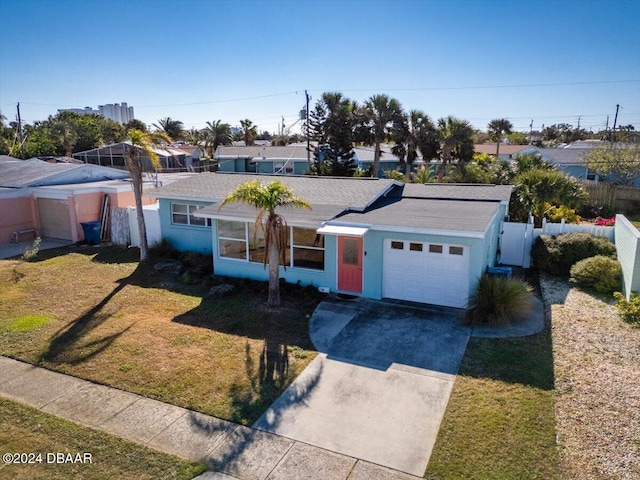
x: 376, y: 238
x: 181, y: 157
x: 56, y: 198
x: 507, y: 152
x: 363, y: 158
x: 287, y: 160
x: 569, y: 160
x: 572, y: 160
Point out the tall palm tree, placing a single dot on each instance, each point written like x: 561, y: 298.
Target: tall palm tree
x: 249, y: 131
x: 266, y: 199
x: 379, y: 115
x: 496, y: 129
x: 415, y: 133
x: 142, y: 144
x: 455, y: 137
x: 216, y: 133
x: 173, y: 128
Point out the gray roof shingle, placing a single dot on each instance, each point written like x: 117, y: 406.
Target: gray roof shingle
x: 453, y: 191
x: 451, y: 215
x: 565, y: 156
x: 31, y: 174
x: 355, y: 193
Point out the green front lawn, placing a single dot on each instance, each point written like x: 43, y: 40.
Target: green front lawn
x: 95, y: 314
x: 28, y: 430
x: 500, y: 423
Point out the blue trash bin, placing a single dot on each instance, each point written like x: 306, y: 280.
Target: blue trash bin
x: 91, y: 232
x: 500, y: 271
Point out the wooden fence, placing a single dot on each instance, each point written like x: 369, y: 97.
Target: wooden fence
x: 619, y: 197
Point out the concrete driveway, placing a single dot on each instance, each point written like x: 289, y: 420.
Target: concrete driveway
x: 380, y: 386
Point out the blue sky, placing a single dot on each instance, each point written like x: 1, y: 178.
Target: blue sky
x: 198, y: 61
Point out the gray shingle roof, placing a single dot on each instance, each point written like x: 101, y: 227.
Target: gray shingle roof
x: 294, y: 216
x: 414, y: 213
x: 29, y: 174
x: 356, y: 193
x: 447, y: 207
x: 565, y: 156
x: 453, y: 191
x: 257, y: 152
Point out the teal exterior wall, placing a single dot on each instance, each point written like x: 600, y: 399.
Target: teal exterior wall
x: 300, y: 168
x: 576, y: 171
x: 193, y: 238
x: 627, y: 238
x: 374, y: 250
x: 256, y: 271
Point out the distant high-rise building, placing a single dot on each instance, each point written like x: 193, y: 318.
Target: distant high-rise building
x: 113, y: 111
x: 81, y: 111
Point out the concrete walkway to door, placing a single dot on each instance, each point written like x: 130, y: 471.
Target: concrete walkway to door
x: 383, y: 380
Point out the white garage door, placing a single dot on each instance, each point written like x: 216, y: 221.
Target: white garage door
x: 435, y: 273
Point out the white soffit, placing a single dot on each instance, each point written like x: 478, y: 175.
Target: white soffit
x: 343, y: 230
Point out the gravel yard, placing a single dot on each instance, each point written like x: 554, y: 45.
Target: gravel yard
x: 597, y: 374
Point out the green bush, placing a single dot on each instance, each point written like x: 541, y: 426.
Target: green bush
x: 556, y: 255
x: 599, y: 272
x: 498, y: 300
x: 629, y: 309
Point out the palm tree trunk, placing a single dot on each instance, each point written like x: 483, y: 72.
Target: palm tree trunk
x: 498, y: 149
x: 136, y: 180
x: 273, y: 300
x: 376, y: 160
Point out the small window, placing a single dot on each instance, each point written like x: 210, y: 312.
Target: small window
x: 416, y: 247
x: 397, y: 245
x: 435, y: 248
x: 456, y: 251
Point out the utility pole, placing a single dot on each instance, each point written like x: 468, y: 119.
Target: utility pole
x: 307, y: 128
x: 615, y: 120
x: 579, y: 117
x: 531, y: 132
x: 20, y: 133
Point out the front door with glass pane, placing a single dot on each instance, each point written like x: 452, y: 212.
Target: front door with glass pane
x: 350, y: 264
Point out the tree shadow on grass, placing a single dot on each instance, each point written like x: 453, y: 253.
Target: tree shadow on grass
x: 67, y: 345
x: 270, y: 393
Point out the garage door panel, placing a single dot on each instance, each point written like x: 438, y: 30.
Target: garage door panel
x: 437, y: 277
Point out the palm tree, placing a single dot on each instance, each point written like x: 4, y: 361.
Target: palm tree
x: 267, y: 198
x: 416, y: 132
x: 538, y: 187
x: 456, y: 140
x: 142, y: 146
x: 173, y: 128
x: 216, y: 133
x: 379, y: 115
x: 249, y: 131
x: 496, y: 129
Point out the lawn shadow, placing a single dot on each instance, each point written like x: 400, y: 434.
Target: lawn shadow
x: 269, y: 380
x: 66, y: 344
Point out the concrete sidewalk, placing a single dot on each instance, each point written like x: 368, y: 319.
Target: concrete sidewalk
x: 234, y: 450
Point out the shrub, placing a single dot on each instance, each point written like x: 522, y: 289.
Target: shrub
x: 395, y: 175
x: 629, y: 309
x: 557, y: 214
x: 163, y: 249
x: 498, y: 300
x: 556, y: 255
x: 599, y: 272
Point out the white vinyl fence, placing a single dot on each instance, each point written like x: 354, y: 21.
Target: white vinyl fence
x: 152, y: 222
x: 516, y: 239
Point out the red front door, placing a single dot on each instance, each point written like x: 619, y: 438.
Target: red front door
x: 350, y: 264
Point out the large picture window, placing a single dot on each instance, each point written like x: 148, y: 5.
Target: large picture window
x: 183, y: 214
x: 242, y: 241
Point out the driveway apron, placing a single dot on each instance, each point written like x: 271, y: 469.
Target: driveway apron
x: 379, y: 387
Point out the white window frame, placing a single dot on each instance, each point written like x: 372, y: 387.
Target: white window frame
x: 191, y: 209
x: 245, y: 240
